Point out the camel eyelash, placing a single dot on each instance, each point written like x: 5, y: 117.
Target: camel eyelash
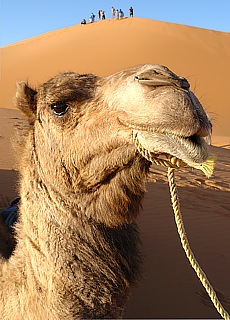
x: 59, y: 108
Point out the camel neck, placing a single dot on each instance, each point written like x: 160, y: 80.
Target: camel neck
x: 80, y: 258
x: 68, y: 240
x: 82, y: 244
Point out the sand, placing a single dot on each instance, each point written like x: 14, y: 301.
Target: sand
x: 169, y: 288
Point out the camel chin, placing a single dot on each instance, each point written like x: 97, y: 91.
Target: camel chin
x: 191, y: 150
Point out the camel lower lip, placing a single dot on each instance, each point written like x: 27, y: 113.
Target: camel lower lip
x: 190, y: 150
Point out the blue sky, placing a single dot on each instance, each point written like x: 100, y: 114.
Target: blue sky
x: 22, y: 19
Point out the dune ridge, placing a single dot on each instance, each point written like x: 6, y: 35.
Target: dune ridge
x: 107, y: 46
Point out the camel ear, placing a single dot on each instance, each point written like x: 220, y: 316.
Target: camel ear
x: 26, y: 101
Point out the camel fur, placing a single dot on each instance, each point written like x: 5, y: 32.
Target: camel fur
x: 82, y: 181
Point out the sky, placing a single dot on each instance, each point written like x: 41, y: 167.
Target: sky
x: 22, y: 19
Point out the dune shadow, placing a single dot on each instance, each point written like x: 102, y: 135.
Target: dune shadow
x: 8, y: 187
x: 225, y: 146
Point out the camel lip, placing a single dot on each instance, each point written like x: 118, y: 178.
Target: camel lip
x: 132, y: 124
x: 191, y: 150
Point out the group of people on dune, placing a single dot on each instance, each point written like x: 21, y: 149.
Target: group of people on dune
x: 115, y: 13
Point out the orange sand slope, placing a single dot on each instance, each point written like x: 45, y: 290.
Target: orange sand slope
x: 203, y: 56
x: 169, y: 288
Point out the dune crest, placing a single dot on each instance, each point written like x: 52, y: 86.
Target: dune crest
x: 107, y: 46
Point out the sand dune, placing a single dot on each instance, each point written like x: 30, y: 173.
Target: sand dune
x: 169, y: 288
x: 108, y: 46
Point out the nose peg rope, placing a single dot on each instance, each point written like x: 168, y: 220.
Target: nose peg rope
x: 207, y: 167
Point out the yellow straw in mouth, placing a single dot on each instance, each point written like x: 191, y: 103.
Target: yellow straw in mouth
x: 207, y: 167
x: 173, y: 162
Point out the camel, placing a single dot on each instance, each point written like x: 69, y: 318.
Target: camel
x: 82, y: 181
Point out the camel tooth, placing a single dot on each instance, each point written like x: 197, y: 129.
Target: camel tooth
x: 179, y: 163
x: 174, y: 160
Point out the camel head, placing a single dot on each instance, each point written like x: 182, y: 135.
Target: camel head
x: 166, y: 117
x: 84, y: 128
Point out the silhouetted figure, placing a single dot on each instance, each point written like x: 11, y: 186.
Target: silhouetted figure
x: 92, y: 18
x: 103, y: 15
x: 113, y: 12
x: 121, y: 13
x: 131, y: 12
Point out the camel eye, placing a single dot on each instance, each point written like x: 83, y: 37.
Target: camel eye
x: 59, y: 108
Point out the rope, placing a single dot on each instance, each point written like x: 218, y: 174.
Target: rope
x: 171, y: 163
x: 185, y: 244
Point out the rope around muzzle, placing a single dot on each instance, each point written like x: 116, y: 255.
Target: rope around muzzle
x: 171, y: 163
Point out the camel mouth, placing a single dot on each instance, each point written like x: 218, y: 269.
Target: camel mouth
x: 189, y: 150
